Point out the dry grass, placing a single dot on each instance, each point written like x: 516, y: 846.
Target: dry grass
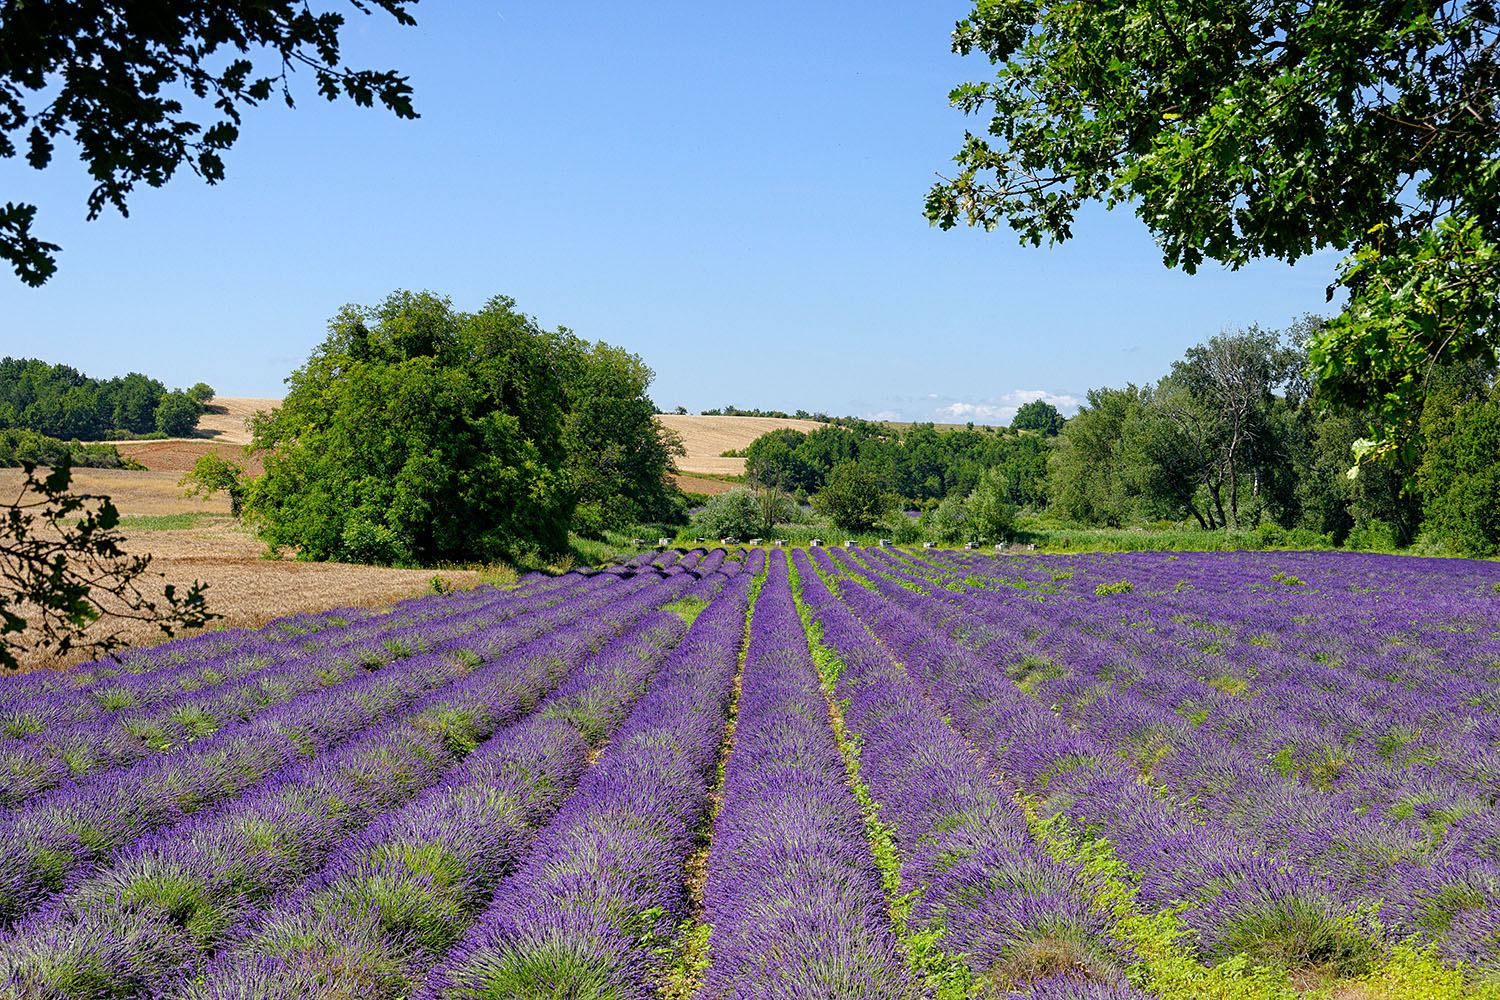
x: 226, y: 417
x: 706, y: 437
x: 697, y: 484
x: 222, y: 430
x: 247, y: 589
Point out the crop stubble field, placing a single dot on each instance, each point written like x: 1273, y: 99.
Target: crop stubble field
x: 195, y: 539
x: 839, y: 774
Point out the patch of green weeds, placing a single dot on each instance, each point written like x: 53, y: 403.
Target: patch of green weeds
x: 687, y: 608
x: 165, y: 522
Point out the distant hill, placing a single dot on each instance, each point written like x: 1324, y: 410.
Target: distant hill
x: 221, y: 429
x: 706, y: 437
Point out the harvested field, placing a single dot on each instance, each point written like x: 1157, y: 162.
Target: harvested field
x: 222, y: 430
x: 697, y: 484
x: 706, y: 437
x: 211, y: 546
x: 177, y: 455
x: 226, y: 416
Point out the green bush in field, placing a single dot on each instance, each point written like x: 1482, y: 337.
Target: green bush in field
x: 950, y: 519
x: 852, y: 498
x: 991, y: 515
x: 418, y: 434
x: 744, y: 513
x: 1460, y: 474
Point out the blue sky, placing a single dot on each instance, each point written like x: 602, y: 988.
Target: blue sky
x: 733, y: 192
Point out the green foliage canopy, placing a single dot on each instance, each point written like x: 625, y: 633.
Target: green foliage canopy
x: 743, y: 513
x: 618, y: 457
x: 1460, y: 472
x: 113, y: 78
x: 1271, y: 128
x: 61, y: 402
x: 852, y: 498
x: 990, y: 514
x: 1038, y: 415
x: 418, y: 434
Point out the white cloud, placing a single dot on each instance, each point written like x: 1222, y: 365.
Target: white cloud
x: 1001, y: 409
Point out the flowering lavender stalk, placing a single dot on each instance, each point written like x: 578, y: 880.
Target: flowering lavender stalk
x: 403, y: 889
x: 1415, y: 836
x: 71, y: 828
x: 1238, y: 900
x: 604, y: 885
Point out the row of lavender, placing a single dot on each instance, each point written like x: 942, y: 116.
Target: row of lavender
x: 132, y: 876
x: 1282, y: 792
x: 496, y: 795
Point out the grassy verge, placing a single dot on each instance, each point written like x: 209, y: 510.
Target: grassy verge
x: 170, y: 522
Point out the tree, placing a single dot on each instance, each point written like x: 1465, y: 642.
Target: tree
x: 419, y: 434
x: 1038, y: 415
x: 213, y: 473
x: 126, y: 81
x: 852, y: 498
x: 202, y: 392
x: 742, y: 513
x: 177, y: 414
x: 1460, y: 471
x: 991, y: 515
x: 1232, y: 377
x: 950, y: 518
x: 1090, y: 472
x: 776, y: 459
x: 1274, y: 128
x: 618, y: 457
x: 62, y: 569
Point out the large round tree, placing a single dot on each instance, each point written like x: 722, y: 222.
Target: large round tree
x: 419, y: 434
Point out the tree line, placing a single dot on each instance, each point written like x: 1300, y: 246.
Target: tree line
x: 58, y: 401
x: 1237, y: 436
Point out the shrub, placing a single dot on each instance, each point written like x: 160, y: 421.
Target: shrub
x: 733, y: 514
x: 991, y: 515
x: 950, y: 519
x: 177, y: 414
x: 852, y: 498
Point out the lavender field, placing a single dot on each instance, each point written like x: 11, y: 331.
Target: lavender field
x: 829, y: 774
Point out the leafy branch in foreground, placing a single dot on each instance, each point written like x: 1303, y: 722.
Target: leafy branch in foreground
x: 1267, y: 128
x: 131, y: 85
x: 62, y: 569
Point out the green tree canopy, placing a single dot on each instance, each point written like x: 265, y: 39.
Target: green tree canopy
x: 419, y: 434
x: 1037, y: 415
x: 60, y: 401
x: 1090, y: 472
x: 1271, y: 128
x: 619, y: 457
x: 852, y: 498
x: 122, y: 82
